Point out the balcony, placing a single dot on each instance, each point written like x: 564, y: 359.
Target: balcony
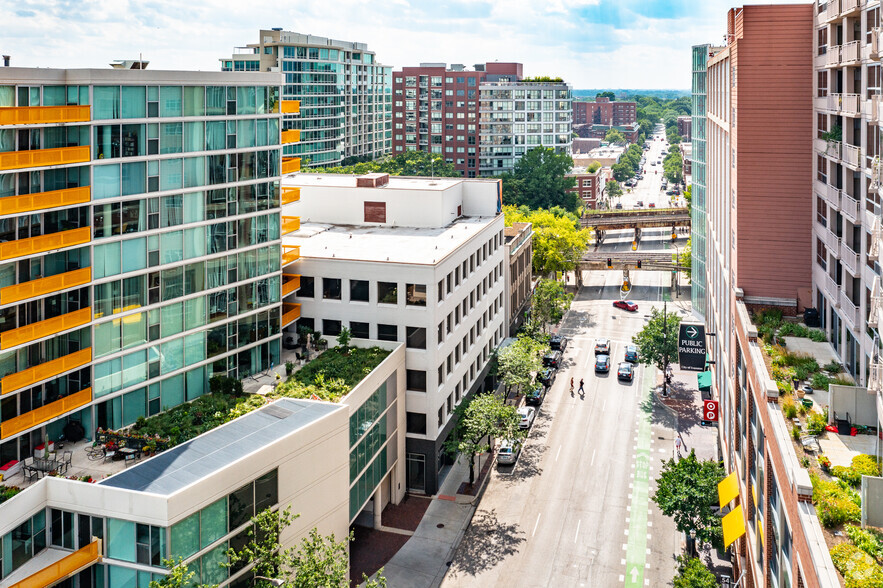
x: 849, y: 311
x: 832, y: 55
x: 872, y: 108
x: 876, y: 237
x: 45, y: 328
x: 43, y: 243
x: 44, y: 200
x: 832, y: 290
x: 44, y: 371
x: 42, y: 286
x: 290, y: 313
x: 290, y: 253
x: 876, y: 306
x: 45, y: 413
x: 290, y: 283
x: 291, y: 136
x: 290, y: 107
x: 832, y: 11
x: 847, y: 7
x: 851, y: 104
x: 44, y: 157
x: 851, y: 52
x: 290, y: 224
x: 832, y: 195
x: 64, y: 568
x: 290, y: 195
x: 290, y: 165
x: 850, y: 208
x: 43, y: 115
x: 849, y: 258
x: 876, y: 174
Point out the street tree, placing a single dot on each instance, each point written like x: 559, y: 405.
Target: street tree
x: 615, y: 136
x: 658, y: 346
x: 180, y: 575
x: 622, y: 171
x: 613, y: 189
x: 558, y: 240
x: 672, y: 166
x: 692, y: 573
x: 549, y: 303
x: 688, y: 196
x: 686, y: 490
x: 517, y: 362
x: 539, y: 180
x: 484, y: 418
x: 685, y: 259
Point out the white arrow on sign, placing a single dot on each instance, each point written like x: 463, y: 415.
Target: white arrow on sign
x: 634, y: 574
x: 692, y: 332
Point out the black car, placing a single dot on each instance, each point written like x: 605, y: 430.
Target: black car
x: 536, y: 395
x: 602, y: 364
x: 631, y: 353
x: 546, y: 377
x: 625, y: 372
x: 552, y: 360
x: 558, y: 343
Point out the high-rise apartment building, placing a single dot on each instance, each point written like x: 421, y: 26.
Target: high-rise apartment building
x: 435, y: 109
x: 517, y: 116
x: 345, y: 95
x: 140, y: 255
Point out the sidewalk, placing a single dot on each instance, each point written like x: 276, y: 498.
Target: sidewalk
x: 423, y: 560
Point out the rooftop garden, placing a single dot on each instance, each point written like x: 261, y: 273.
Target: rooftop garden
x: 7, y: 492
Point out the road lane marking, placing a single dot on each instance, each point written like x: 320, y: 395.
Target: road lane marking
x: 636, y: 554
x: 577, y: 530
x: 537, y: 524
x: 557, y: 454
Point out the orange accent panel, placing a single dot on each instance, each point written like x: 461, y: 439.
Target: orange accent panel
x: 290, y: 313
x: 289, y: 195
x: 43, y: 157
x: 36, y: 115
x: 290, y: 136
x: 290, y: 253
x: 44, y: 243
x: 64, y: 568
x: 42, y: 286
x: 290, y: 283
x: 45, y: 413
x: 42, y: 200
x: 290, y: 224
x: 289, y: 165
x: 45, y: 328
x: 44, y: 371
x: 290, y: 106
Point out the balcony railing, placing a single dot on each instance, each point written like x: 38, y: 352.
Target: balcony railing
x: 42, y: 286
x: 290, y: 136
x: 44, y: 371
x: 850, y: 6
x: 851, y: 104
x: 64, y: 568
x: 45, y: 413
x: 44, y: 200
x: 832, y: 195
x: 832, y: 11
x: 290, y: 283
x: 873, y: 108
x: 290, y: 224
x: 876, y: 304
x: 849, y: 258
x: 43, y: 115
x: 290, y: 313
x: 833, y: 290
x: 832, y: 56
x: 876, y: 237
x: 43, y: 243
x: 44, y: 157
x: 849, y: 310
x: 290, y: 107
x: 876, y: 173
x: 850, y: 208
x: 851, y: 51
x: 290, y: 253
x: 290, y: 195
x: 290, y: 165
x: 45, y: 328
x: 852, y: 156
x: 875, y: 377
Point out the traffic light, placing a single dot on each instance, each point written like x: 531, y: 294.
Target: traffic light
x: 639, y: 264
x: 609, y: 263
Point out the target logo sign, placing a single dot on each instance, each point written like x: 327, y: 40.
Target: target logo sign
x: 709, y: 412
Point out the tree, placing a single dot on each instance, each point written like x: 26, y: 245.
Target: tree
x: 607, y: 94
x: 688, y: 196
x: 692, y: 573
x: 673, y: 166
x: 615, y: 136
x: 540, y: 180
x: 685, y: 259
x: 179, y: 575
x: 614, y: 190
x: 558, y: 240
x: 410, y: 163
x: 655, y: 348
x: 484, y: 418
x: 622, y: 171
x: 517, y: 362
x: 686, y: 491
x: 549, y: 302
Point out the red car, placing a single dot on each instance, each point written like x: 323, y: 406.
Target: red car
x: 626, y: 305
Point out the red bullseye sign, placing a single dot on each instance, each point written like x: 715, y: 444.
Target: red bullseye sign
x: 709, y: 412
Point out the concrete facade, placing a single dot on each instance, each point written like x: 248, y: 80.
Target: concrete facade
x: 519, y: 273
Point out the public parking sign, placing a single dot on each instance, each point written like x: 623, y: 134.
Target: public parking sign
x: 691, y: 347
x: 709, y: 412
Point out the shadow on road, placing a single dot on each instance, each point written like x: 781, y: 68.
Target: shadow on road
x: 486, y: 543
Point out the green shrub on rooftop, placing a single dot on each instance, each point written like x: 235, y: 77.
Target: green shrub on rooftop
x: 857, y: 567
x: 835, y: 502
x: 868, y: 540
x: 862, y: 465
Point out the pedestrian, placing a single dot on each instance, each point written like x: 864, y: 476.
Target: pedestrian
x: 581, y: 389
x: 678, y: 445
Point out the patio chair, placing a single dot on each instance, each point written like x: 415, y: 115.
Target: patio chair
x: 810, y: 443
x: 30, y: 472
x: 65, y: 462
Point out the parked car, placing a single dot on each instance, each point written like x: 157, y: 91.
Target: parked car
x: 509, y: 451
x: 552, y: 359
x: 618, y: 205
x: 546, y: 377
x: 631, y: 353
x: 625, y: 372
x: 626, y: 305
x: 535, y: 395
x: 527, y: 415
x: 652, y: 163
x: 602, y: 346
x: 558, y: 342
x: 671, y: 192
x: 639, y: 203
x: 652, y: 205
x: 602, y: 364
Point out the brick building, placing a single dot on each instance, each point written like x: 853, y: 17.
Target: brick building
x: 589, y: 184
x: 685, y: 127
x: 589, y: 131
x: 603, y: 111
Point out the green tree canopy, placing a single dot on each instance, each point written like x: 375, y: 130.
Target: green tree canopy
x: 622, y: 171
x: 656, y: 348
x: 517, y: 362
x: 613, y: 189
x: 558, y: 240
x: 410, y: 163
x: 672, y: 165
x: 539, y: 181
x: 615, y: 136
x: 549, y: 303
x: 692, y: 573
x: 685, y: 259
x: 688, y: 196
x: 607, y: 94
x: 686, y: 491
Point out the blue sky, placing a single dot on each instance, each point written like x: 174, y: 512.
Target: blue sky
x: 590, y: 43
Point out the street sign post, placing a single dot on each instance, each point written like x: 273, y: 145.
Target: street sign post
x: 710, y: 410
x: 691, y: 347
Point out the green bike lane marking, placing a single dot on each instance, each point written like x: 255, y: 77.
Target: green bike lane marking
x: 636, y: 551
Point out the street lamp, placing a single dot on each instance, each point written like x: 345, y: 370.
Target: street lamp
x: 273, y: 581
x: 692, y: 547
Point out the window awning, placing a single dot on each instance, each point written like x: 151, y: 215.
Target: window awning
x: 704, y: 379
x: 734, y: 526
x: 728, y: 489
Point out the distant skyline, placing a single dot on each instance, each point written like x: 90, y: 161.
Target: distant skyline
x: 590, y: 43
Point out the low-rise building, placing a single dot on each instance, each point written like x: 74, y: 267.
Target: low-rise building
x: 685, y: 127
x: 582, y: 146
x: 603, y: 111
x: 590, y: 131
x: 589, y: 183
x: 606, y: 155
x: 519, y: 273
x: 416, y: 260
x: 687, y: 161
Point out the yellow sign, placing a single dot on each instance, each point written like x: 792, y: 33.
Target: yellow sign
x: 734, y: 526
x: 634, y: 245
x: 728, y: 489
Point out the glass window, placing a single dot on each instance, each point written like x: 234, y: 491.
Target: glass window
x: 121, y: 539
x: 245, y: 100
x: 172, y: 246
x: 194, y: 172
x: 107, y: 102
x: 307, y: 287
x: 415, y: 295
x: 240, y: 507
x: 331, y: 327
x: 106, y: 260
x: 245, y: 134
x: 215, y: 135
x: 170, y: 101
x: 194, y: 313
x: 171, y: 174
x: 134, y: 102
x: 194, y: 101
x: 387, y: 293
x: 185, y: 536
x: 194, y: 242
x: 134, y: 406
x: 172, y: 357
x: 194, y: 136
x: 172, y: 319
x: 213, y: 522
x: 416, y: 380
x: 134, y: 368
x: 359, y: 290
x: 171, y: 137
x: 194, y: 348
x: 105, y: 181
x: 416, y: 337
x: 266, y: 491
x: 387, y: 332
x: 359, y: 330
x: 134, y: 256
x: 331, y: 288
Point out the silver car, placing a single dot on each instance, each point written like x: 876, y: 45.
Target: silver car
x: 509, y: 451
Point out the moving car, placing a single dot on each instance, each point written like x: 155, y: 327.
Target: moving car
x: 625, y: 372
x: 602, y: 346
x: 552, y: 359
x: 631, y: 353
x: 509, y: 451
x: 527, y: 415
x: 626, y: 305
x: 602, y: 364
x: 558, y: 343
x: 671, y: 192
x: 639, y: 203
x: 618, y: 205
x: 546, y: 377
x: 652, y: 205
x: 536, y: 395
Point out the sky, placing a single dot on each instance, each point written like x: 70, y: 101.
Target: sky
x: 589, y: 43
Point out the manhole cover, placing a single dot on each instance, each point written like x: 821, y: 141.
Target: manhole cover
x: 440, y: 525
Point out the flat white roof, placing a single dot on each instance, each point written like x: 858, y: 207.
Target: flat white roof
x: 395, y: 182
x: 406, y: 245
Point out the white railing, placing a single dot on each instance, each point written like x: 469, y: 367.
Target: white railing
x: 832, y: 195
x: 851, y: 52
x: 832, y: 56
x: 833, y: 242
x: 849, y: 258
x: 873, y: 108
x: 876, y: 173
x: 850, y: 208
x: 832, y: 11
x: 848, y: 6
x: 833, y: 290
x: 876, y: 236
x: 876, y: 304
x: 849, y: 310
x: 851, y: 103
x: 875, y: 377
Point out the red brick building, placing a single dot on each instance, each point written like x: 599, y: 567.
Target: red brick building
x: 588, y: 185
x: 605, y: 112
x: 588, y: 131
x: 435, y: 109
x: 685, y: 127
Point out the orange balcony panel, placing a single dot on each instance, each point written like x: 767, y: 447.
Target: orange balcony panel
x: 290, y: 136
x: 290, y: 283
x: 290, y: 313
x: 43, y: 200
x: 44, y: 371
x: 42, y: 286
x: 290, y: 195
x: 290, y: 224
x: 289, y: 165
x: 43, y: 243
x: 64, y: 568
x: 45, y: 328
x: 290, y: 253
x: 37, y: 115
x: 290, y: 107
x: 45, y: 413
x: 44, y: 157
